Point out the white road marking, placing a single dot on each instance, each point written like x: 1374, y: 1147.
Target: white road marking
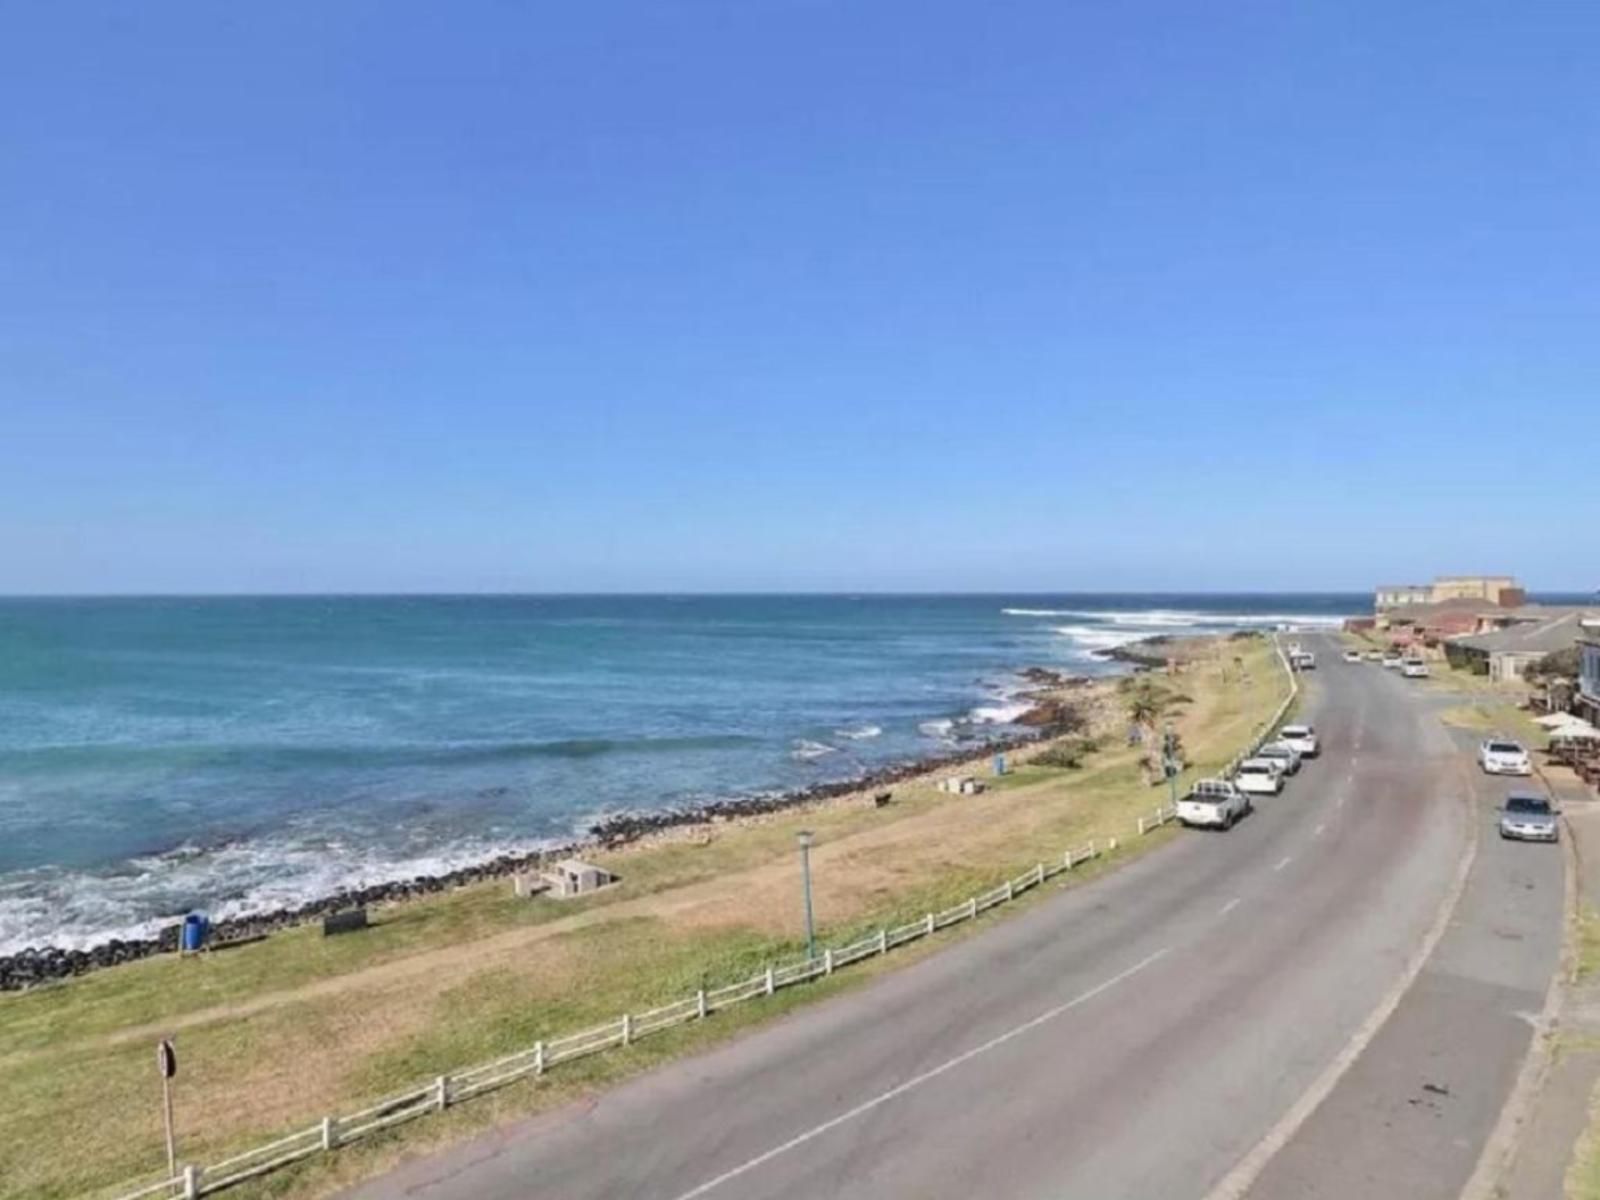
x: 1284, y: 862
x: 867, y: 1106
x: 1229, y: 907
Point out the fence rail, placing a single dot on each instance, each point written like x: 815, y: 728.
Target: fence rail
x: 332, y: 1132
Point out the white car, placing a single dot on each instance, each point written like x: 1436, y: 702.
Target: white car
x: 1283, y: 753
x: 1259, y: 776
x: 1302, y: 660
x: 1213, y: 804
x: 1352, y: 656
x: 1392, y: 661
x: 1303, y: 738
x: 1414, y: 668
x: 1502, y: 756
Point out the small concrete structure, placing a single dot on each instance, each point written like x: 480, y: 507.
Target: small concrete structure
x: 574, y: 877
x: 961, y: 785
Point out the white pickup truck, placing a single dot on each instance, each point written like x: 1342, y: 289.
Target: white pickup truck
x: 1213, y: 804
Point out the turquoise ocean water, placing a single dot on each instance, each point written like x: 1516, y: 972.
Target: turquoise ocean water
x: 235, y: 754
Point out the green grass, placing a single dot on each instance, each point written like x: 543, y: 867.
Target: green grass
x: 276, y: 1033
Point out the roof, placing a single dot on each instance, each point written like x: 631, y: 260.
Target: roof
x: 579, y: 866
x: 1538, y: 637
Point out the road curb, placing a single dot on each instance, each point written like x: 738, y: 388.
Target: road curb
x: 1505, y: 1139
x: 1244, y: 1173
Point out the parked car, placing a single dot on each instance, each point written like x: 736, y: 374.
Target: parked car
x: 1414, y: 668
x: 1303, y: 738
x: 1213, y: 804
x: 1302, y: 660
x: 1352, y: 656
x: 1392, y: 661
x: 1259, y: 776
x: 1529, y: 817
x: 1375, y: 656
x: 1502, y: 756
x: 1284, y: 753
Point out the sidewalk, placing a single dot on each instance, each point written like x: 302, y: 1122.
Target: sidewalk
x: 1559, y: 1112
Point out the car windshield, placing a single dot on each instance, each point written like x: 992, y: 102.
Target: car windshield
x: 1504, y: 748
x: 1528, y: 805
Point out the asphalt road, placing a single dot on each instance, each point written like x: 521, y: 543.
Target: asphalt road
x: 1136, y: 1037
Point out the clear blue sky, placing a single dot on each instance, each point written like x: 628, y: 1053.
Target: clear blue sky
x: 745, y: 295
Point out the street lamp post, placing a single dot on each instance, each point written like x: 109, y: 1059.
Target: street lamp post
x: 804, y: 838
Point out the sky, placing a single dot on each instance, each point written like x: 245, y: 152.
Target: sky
x: 739, y: 295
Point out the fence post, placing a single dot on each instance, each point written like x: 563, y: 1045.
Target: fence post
x: 442, y: 1087
x: 827, y: 961
x: 1141, y: 826
x: 772, y: 985
x: 883, y: 941
x: 972, y: 908
x: 1091, y: 848
x: 929, y: 923
x: 538, y: 1057
x: 1009, y: 894
x: 1111, y: 845
x: 1066, y: 860
x: 700, y: 1004
x: 627, y: 1029
x: 191, y: 1182
x: 330, y: 1133
x: 1038, y: 873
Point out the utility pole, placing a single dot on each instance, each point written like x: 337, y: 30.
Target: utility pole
x: 804, y: 838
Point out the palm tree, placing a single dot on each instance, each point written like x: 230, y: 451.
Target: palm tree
x: 1145, y: 706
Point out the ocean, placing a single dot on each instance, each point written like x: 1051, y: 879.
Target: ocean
x: 160, y: 755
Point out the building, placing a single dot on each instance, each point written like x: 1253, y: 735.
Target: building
x: 1429, y: 624
x: 1506, y: 653
x: 573, y: 877
x: 1500, y: 590
x: 1587, y: 701
x: 1399, y: 595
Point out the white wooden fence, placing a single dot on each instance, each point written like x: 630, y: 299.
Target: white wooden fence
x: 440, y: 1093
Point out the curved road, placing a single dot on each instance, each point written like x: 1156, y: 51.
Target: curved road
x: 1137, y: 1037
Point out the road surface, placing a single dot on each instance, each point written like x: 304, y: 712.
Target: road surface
x: 1138, y: 1037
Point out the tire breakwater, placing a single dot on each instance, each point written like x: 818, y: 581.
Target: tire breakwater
x: 42, y: 964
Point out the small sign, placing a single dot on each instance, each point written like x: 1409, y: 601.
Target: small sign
x: 167, y: 1059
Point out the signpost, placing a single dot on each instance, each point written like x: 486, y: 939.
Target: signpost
x: 167, y: 1064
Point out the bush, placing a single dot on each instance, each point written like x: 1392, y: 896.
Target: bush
x: 1068, y: 754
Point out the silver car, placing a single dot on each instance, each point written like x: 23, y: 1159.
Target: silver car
x: 1529, y: 817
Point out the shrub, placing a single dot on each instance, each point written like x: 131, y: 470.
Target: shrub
x: 1068, y: 754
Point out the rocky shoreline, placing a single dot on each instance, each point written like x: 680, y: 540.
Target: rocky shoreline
x: 1050, y: 717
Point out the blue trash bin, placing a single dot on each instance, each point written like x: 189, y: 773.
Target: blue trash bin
x: 195, y: 928
x: 999, y: 764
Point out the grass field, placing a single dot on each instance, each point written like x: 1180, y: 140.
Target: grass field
x: 273, y: 1035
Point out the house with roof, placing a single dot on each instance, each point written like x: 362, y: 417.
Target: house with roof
x: 1587, y: 701
x: 1504, y: 654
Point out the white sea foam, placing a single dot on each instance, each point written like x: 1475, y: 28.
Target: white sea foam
x: 941, y: 728
x: 79, y: 909
x: 860, y: 733
x: 805, y: 750
x: 1088, y: 637
x: 1003, y: 713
